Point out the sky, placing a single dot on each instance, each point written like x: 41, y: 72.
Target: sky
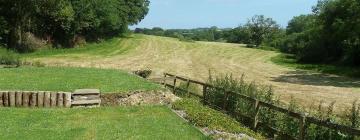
x: 186, y: 14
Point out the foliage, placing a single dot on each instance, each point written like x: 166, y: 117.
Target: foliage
x: 62, y: 22
x: 143, y: 73
x: 235, y: 106
x: 69, y: 79
x: 206, y: 117
x: 261, y: 28
x: 104, y: 123
x: 330, y: 34
x: 9, y: 58
x: 189, y: 35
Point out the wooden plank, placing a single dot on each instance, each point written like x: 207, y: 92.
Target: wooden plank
x: 85, y: 97
x: 53, y: 99
x: 204, y: 94
x: 60, y: 99
x: 40, y: 99
x: 1, y: 99
x: 67, y: 99
x: 174, y: 84
x: 302, y: 128
x: 18, y: 99
x: 225, y: 100
x: 187, y: 87
x: 256, y: 115
x: 341, y: 128
x: 33, y: 98
x: 47, y: 99
x: 85, y: 102
x: 26, y: 98
x: 282, y: 110
x: 86, y: 91
x: 6, y: 98
x: 12, y: 99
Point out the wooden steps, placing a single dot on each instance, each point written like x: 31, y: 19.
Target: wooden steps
x: 86, y: 98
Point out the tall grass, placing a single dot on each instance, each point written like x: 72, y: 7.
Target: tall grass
x: 9, y: 58
x: 238, y: 108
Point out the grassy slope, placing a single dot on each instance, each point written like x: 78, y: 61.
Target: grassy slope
x: 69, y: 79
x: 196, y: 59
x: 152, y: 122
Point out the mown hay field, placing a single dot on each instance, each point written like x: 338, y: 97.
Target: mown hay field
x: 196, y: 59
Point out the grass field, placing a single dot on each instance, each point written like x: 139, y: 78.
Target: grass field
x: 195, y: 60
x: 68, y: 79
x: 145, y: 122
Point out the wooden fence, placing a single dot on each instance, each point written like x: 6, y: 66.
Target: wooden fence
x: 34, y: 99
x: 304, y: 121
x: 47, y: 99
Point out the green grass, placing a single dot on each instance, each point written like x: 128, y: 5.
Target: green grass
x: 144, y: 122
x: 69, y: 79
x: 203, y: 116
x: 105, y: 48
x: 290, y: 61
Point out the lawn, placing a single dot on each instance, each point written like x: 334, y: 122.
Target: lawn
x: 68, y: 79
x: 105, y: 123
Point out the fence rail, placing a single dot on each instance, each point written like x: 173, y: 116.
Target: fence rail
x: 304, y: 121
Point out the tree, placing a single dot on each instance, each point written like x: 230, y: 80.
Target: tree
x: 3, y: 31
x: 300, y: 23
x: 17, y: 13
x: 260, y: 28
x: 62, y: 21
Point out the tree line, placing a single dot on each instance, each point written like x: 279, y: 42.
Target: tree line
x: 64, y: 23
x: 330, y: 34
x: 258, y: 30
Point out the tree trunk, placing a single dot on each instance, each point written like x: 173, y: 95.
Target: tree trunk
x: 15, y: 37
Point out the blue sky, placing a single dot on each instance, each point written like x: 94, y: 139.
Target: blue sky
x: 186, y: 14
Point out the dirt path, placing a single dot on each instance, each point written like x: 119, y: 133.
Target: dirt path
x: 196, y: 59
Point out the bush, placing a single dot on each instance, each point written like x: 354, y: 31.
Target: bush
x: 143, y: 73
x: 206, y: 117
x: 9, y: 58
x: 30, y: 43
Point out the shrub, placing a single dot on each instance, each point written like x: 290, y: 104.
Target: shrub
x: 143, y: 73
x: 30, y: 43
x: 206, y: 117
x: 9, y: 58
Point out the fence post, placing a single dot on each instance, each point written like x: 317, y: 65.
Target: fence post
x: 12, y: 99
x: 6, y: 99
x: 187, y: 87
x: 204, y: 94
x: 225, y: 100
x: 1, y: 99
x: 302, y: 128
x: 164, y: 80
x: 18, y: 99
x: 256, y: 115
x: 174, y: 89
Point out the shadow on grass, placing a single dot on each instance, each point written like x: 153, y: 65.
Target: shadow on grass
x: 290, y: 61
x: 318, y: 79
